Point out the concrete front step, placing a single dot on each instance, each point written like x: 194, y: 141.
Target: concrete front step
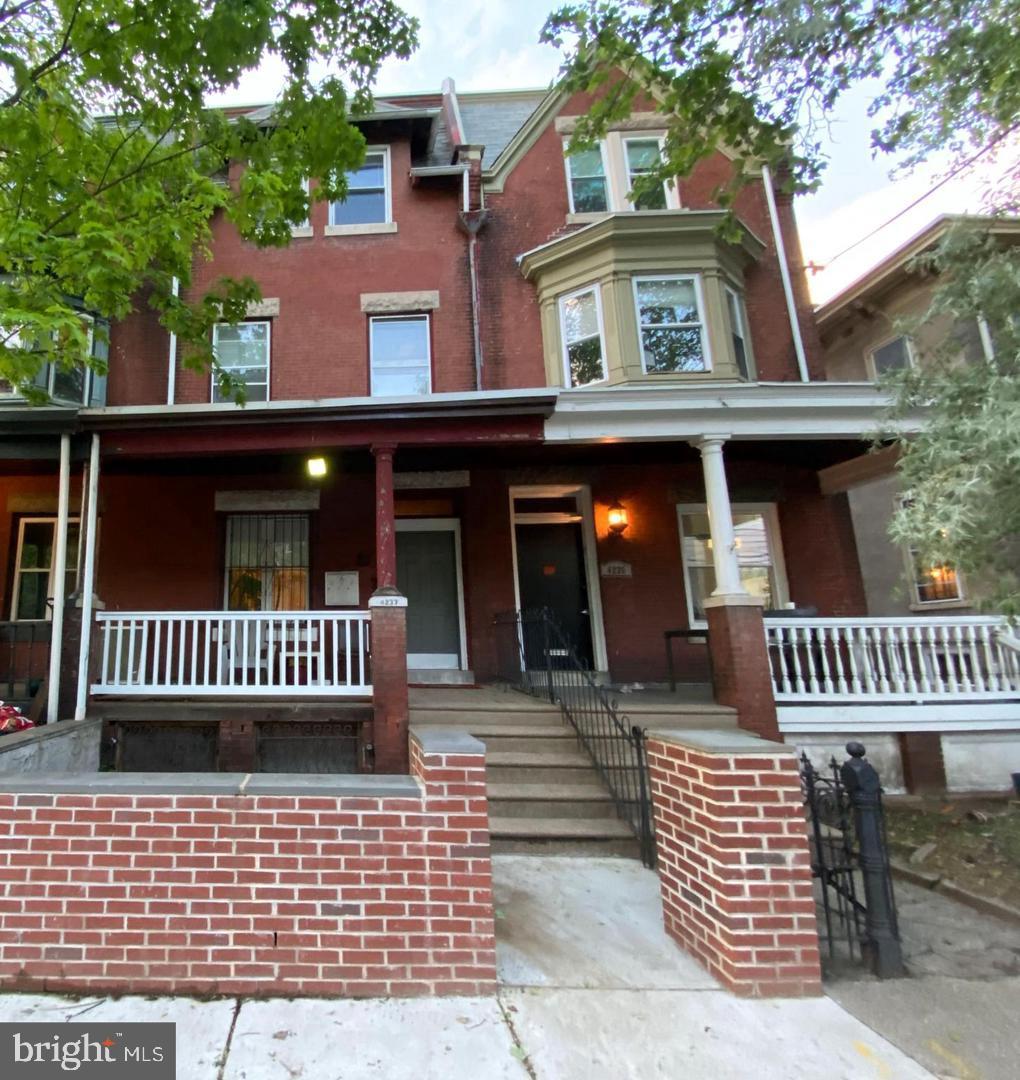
x: 470, y: 718
x: 537, y: 801
x: 562, y: 836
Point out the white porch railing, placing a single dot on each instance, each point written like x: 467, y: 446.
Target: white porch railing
x: 923, y: 659
x: 233, y: 653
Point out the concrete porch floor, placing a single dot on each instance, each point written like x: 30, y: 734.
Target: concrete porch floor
x: 591, y: 989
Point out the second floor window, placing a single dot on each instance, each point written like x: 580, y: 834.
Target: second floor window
x: 671, y: 325
x: 243, y: 351
x: 401, y: 357
x: 894, y: 355
x: 581, y: 327
x: 368, y: 194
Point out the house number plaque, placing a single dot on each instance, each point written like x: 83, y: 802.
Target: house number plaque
x: 617, y: 569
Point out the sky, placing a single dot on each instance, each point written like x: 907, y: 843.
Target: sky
x: 484, y: 45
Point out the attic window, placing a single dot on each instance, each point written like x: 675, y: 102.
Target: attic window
x: 368, y: 199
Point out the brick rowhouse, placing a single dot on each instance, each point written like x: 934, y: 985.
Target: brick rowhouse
x: 734, y: 862
x: 357, y: 887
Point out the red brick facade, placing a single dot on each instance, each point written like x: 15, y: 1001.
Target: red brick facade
x: 353, y: 895
x: 734, y: 862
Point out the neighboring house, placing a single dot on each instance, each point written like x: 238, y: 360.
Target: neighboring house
x: 486, y: 382
x: 878, y: 325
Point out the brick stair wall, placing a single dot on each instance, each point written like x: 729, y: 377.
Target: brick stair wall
x: 265, y: 886
x: 734, y: 861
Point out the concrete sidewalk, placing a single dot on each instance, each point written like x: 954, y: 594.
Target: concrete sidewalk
x: 591, y: 989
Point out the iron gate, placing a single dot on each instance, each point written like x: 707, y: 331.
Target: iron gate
x: 850, y: 864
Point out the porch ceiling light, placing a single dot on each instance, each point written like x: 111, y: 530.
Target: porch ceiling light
x: 317, y: 467
x: 618, y: 520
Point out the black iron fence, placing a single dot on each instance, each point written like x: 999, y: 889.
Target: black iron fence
x: 850, y: 863
x: 536, y: 656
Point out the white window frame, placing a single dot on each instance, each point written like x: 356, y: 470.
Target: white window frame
x: 610, y: 201
x: 669, y: 190
x: 366, y: 228
x: 770, y: 513
x: 870, y: 358
x: 739, y: 307
x: 269, y: 356
x: 615, y: 165
x: 72, y: 559
x: 417, y: 316
x: 51, y: 367
x: 916, y: 603
x: 305, y: 228
x: 699, y: 296
x: 595, y: 288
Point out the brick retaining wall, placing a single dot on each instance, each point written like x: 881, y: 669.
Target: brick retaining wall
x: 223, y: 883
x: 734, y: 861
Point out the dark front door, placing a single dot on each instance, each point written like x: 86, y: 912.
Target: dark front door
x: 427, y: 576
x: 550, y: 574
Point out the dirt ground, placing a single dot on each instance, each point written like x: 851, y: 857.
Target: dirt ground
x: 977, y: 842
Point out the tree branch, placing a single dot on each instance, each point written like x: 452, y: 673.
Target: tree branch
x: 40, y: 69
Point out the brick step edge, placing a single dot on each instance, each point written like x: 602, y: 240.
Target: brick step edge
x: 949, y: 889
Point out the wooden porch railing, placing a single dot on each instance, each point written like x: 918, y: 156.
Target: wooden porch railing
x: 233, y: 653
x: 892, y: 659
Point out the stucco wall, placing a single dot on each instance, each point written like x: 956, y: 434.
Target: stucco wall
x: 70, y: 746
x: 982, y: 761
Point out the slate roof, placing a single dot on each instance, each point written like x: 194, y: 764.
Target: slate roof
x: 494, y: 119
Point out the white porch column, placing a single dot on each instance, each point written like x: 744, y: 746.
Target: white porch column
x: 60, y: 571
x: 720, y: 518
x: 86, y: 585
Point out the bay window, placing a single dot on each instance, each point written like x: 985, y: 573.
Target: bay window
x: 581, y: 329
x: 894, y: 355
x: 671, y: 324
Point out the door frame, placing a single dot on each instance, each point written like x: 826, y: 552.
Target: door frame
x: 445, y: 524
x: 588, y: 544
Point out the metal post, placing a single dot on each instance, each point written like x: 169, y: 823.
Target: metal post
x: 864, y: 787
x: 59, y: 581
x: 546, y: 650
x: 86, y: 587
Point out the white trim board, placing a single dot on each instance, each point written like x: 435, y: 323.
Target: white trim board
x: 935, y: 716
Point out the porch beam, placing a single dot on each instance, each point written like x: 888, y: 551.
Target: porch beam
x: 60, y: 571
x: 86, y: 586
x: 720, y: 518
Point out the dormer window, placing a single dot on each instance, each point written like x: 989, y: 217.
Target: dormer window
x: 601, y: 179
x: 369, y: 203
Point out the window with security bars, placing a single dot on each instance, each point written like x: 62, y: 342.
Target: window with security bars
x: 267, y: 562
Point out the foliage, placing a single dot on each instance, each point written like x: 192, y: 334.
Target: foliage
x: 112, y: 168
x: 760, y: 77
x: 960, y: 470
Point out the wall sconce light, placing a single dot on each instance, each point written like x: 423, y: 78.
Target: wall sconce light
x: 317, y: 467
x: 618, y: 520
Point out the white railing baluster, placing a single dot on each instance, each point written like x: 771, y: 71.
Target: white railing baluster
x: 199, y: 653
x: 906, y: 659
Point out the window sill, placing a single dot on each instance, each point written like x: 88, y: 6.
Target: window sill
x: 587, y: 218
x: 302, y: 231
x: 941, y: 605
x: 361, y: 230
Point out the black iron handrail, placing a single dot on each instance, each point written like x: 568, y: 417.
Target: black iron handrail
x: 538, y: 657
